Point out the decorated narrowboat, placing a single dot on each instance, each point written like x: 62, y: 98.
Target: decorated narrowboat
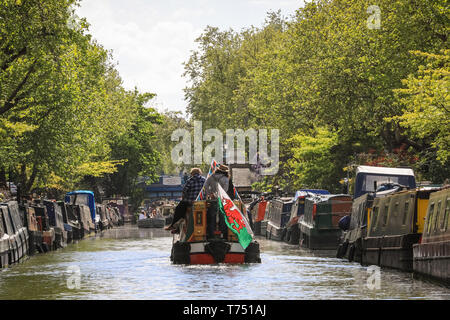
x: 231, y: 240
x: 279, y: 214
x: 319, y: 227
x: 431, y: 256
x: 396, y: 224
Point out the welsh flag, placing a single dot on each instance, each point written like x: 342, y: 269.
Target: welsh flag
x: 234, y: 219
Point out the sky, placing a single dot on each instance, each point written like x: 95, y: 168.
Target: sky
x: 150, y: 39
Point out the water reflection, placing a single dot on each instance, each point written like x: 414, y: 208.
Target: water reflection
x: 134, y: 263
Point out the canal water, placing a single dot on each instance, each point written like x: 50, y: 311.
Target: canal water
x: 131, y: 263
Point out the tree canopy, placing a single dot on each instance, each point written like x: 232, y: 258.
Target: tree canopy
x: 339, y: 91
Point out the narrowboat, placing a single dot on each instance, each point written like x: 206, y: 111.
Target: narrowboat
x: 156, y: 222
x: 73, y: 218
x: 48, y: 233
x: 88, y: 214
x: 191, y: 245
x: 56, y: 222
x: 85, y: 217
x: 298, y: 209
x: 319, y: 227
x: 370, y: 182
x: 4, y: 243
x: 279, y: 214
x: 102, y: 213
x: 166, y: 210
x: 15, y: 252
x: 258, y: 214
x: 121, y: 204
x: 396, y: 224
x: 113, y: 216
x: 35, y: 235
x: 431, y: 256
x: 17, y: 221
x: 350, y: 246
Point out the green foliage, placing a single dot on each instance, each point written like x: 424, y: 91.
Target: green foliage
x: 329, y: 83
x: 427, y: 103
x: 313, y: 163
x: 64, y: 114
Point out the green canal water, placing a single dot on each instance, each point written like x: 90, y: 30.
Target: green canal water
x: 131, y: 263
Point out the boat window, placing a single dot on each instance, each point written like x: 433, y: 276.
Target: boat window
x: 2, y: 232
x: 397, y: 204
x: 375, y: 218
x: 405, y: 212
x: 446, y: 214
x: 9, y: 226
x: 369, y: 181
x: 360, y: 214
x: 430, y: 217
x: 385, y: 215
x: 437, y: 215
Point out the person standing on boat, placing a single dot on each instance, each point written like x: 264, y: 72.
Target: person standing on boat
x: 220, y: 176
x: 191, y: 190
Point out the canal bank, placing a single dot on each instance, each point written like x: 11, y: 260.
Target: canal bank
x: 132, y: 263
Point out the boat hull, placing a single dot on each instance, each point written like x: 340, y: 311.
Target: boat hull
x: 151, y: 223
x: 214, y: 252
x: 433, y: 260
x: 274, y: 232
x: 390, y: 251
x: 319, y: 239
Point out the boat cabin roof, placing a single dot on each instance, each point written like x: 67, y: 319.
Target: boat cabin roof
x: 385, y: 171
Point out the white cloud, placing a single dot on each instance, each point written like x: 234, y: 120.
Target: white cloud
x: 151, y: 39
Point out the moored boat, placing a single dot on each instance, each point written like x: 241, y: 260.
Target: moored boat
x: 258, y: 214
x: 396, y: 224
x: 297, y: 211
x: 155, y: 222
x: 350, y: 246
x: 431, y: 256
x: 35, y: 235
x: 56, y: 222
x: 279, y: 214
x: 4, y: 242
x: 370, y: 182
x: 319, y: 226
x: 17, y: 247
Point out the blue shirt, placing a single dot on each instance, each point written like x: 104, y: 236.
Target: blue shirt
x: 193, y: 187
